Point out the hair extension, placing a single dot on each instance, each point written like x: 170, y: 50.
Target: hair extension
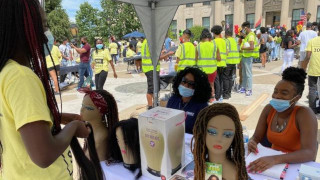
x: 21, y: 26
x: 198, y: 142
x: 202, y: 88
x: 85, y: 163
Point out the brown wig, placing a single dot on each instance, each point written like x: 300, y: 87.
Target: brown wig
x: 22, y: 29
x: 200, y: 151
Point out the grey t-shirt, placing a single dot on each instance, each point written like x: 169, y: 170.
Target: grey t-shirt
x: 265, y: 37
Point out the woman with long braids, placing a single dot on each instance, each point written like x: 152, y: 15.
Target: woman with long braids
x: 34, y: 145
x: 218, y: 138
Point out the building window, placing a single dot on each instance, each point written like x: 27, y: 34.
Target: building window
x: 173, y: 27
x: 189, y: 5
x: 296, y: 17
x: 189, y: 23
x: 206, y: 3
x: 229, y: 22
x: 318, y: 14
x: 250, y: 19
x: 206, y: 22
x: 229, y: 0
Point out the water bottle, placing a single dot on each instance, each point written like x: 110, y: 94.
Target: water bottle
x: 245, y: 139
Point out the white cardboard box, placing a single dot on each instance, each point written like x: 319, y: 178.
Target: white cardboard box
x: 161, y: 132
x: 309, y: 172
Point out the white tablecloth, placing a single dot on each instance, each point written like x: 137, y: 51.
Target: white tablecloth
x: 118, y: 172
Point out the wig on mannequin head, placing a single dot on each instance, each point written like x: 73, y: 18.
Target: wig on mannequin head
x: 130, y: 133
x: 200, y: 151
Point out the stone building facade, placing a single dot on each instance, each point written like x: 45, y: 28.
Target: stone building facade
x: 235, y: 12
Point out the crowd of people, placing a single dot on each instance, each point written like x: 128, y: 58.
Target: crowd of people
x: 35, y: 147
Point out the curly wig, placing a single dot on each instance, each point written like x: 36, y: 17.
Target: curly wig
x: 202, y: 88
x: 198, y: 143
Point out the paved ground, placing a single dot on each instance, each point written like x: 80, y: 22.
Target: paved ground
x: 129, y: 91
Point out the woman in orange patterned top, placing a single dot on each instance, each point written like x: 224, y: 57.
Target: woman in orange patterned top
x: 289, y: 127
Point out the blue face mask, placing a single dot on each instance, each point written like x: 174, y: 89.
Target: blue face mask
x: 281, y: 105
x: 50, y: 43
x: 185, y: 92
x: 99, y: 46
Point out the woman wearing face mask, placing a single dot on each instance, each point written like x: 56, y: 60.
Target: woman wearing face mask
x: 289, y: 127
x: 192, y: 92
x: 100, y: 63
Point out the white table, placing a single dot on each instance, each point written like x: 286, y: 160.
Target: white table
x: 118, y: 172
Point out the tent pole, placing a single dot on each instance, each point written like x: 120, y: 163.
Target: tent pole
x: 153, y: 56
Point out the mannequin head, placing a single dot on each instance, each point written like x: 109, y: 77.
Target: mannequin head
x: 124, y: 142
x: 218, y: 131
x: 100, y: 109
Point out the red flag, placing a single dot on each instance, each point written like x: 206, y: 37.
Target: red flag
x: 258, y: 24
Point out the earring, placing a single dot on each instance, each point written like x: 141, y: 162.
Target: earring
x: 231, y: 152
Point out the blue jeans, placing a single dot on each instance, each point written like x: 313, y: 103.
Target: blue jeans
x: 246, y: 64
x: 278, y: 51
x: 83, y: 71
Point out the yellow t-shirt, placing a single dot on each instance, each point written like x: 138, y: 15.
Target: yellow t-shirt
x: 101, y: 60
x: 130, y: 53
x: 178, y: 52
x: 23, y: 101
x: 139, y: 45
x: 113, y: 48
x: 56, y: 56
x: 314, y: 63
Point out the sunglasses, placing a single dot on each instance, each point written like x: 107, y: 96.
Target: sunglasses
x: 190, y: 83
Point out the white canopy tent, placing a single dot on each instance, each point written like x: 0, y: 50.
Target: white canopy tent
x: 155, y: 17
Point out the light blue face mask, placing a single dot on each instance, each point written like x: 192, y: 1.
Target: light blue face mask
x: 99, y: 46
x: 50, y: 43
x: 281, y: 105
x: 185, y: 92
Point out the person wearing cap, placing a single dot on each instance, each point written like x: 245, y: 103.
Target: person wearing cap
x: 207, y: 55
x: 303, y: 39
x: 222, y: 47
x: 186, y: 52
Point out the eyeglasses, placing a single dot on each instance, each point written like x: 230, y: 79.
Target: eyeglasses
x: 190, y: 83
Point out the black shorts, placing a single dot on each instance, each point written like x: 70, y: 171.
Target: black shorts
x: 150, y: 81
x: 52, y: 68
x: 263, y: 48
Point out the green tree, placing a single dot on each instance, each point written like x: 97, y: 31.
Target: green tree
x: 59, y: 24
x: 88, y: 22
x: 196, y: 31
x: 118, y: 19
x: 51, y: 5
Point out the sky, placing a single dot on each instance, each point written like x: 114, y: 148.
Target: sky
x: 72, y: 6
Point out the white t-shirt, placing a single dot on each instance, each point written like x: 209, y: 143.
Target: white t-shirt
x: 304, y: 38
x: 65, y: 50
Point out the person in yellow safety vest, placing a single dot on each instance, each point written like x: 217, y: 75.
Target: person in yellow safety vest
x: 207, y: 55
x: 240, y: 44
x: 147, y: 68
x: 186, y: 52
x: 250, y: 49
x: 222, y: 47
x: 232, y: 60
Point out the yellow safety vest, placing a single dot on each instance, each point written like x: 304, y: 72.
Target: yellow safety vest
x: 233, y: 53
x: 188, y: 56
x: 146, y: 58
x: 221, y: 43
x: 241, y: 51
x: 250, y: 53
x: 207, y: 56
